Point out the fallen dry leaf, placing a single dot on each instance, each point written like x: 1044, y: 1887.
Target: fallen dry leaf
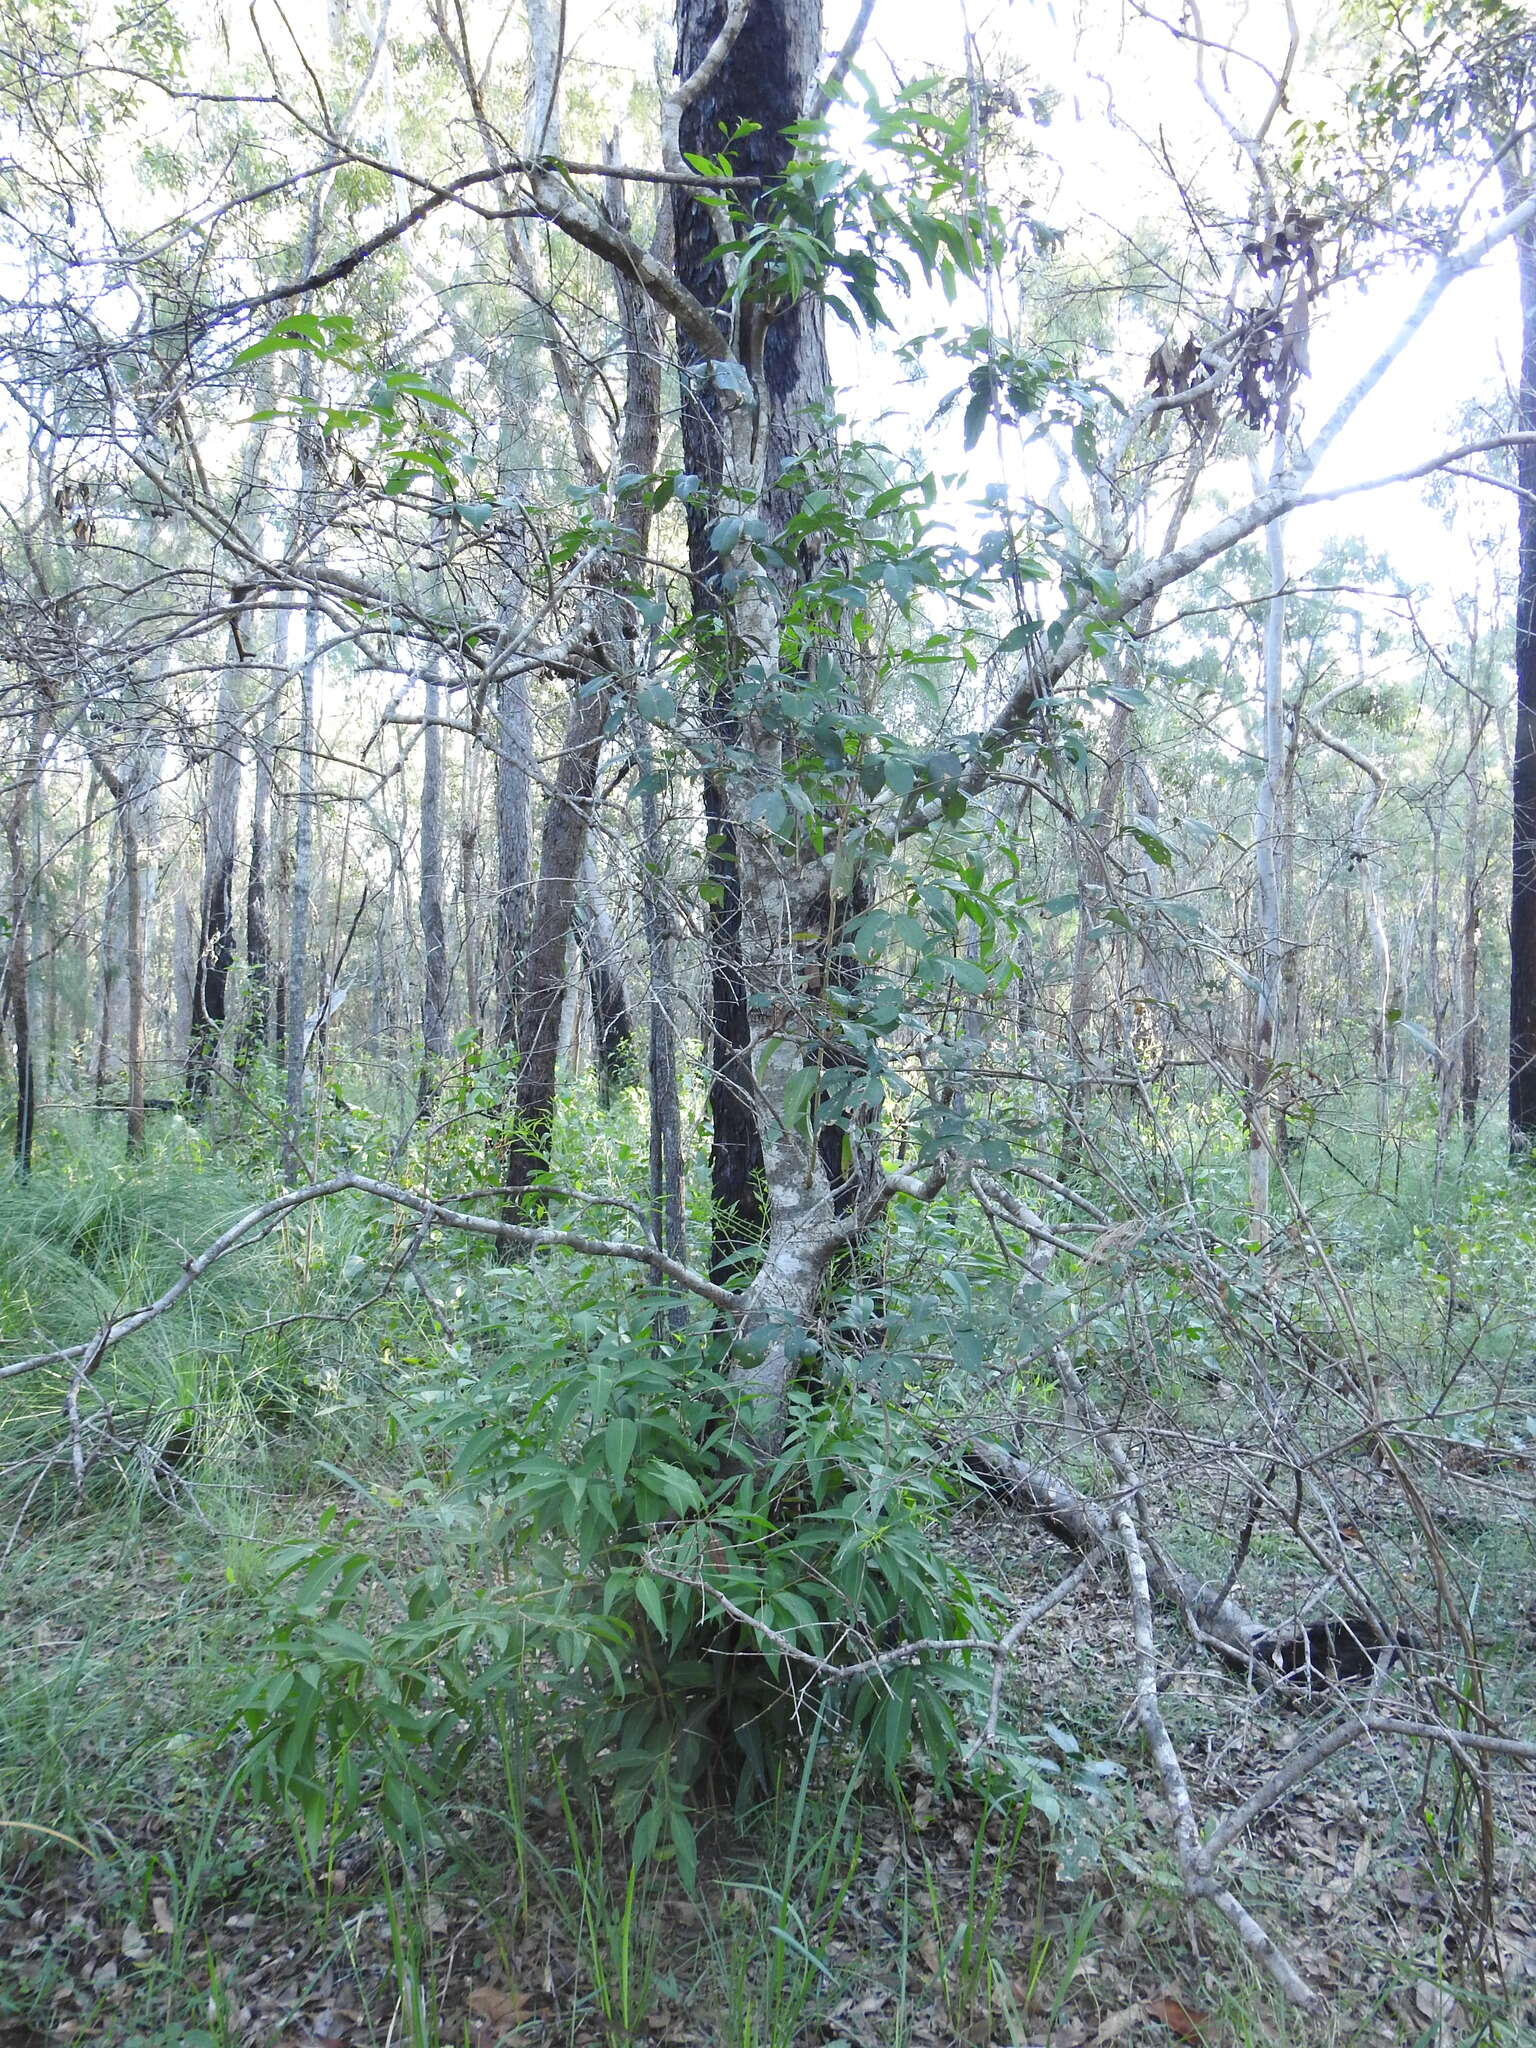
x: 498, y: 2008
x: 1187, y: 2021
x: 161, y: 1913
x: 1120, y: 2023
x: 1433, y: 2000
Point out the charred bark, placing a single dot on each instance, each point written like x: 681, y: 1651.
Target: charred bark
x: 215, y: 953
x: 766, y: 84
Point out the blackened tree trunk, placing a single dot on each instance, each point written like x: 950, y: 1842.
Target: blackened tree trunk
x: 1522, y: 892
x: 18, y: 958
x: 216, y: 909
x: 766, y: 82
x: 562, y: 843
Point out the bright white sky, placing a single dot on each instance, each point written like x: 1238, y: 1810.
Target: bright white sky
x: 1138, y: 68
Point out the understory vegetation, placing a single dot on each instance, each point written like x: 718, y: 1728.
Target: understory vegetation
x: 363, y: 1689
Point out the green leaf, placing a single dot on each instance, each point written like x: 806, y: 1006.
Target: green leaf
x: 656, y: 703
x: 679, y: 1489
x: 1157, y: 849
x: 1020, y: 636
x: 977, y: 413
x: 648, y: 1593
x: 619, y: 1440
x: 799, y: 1093
x: 968, y: 975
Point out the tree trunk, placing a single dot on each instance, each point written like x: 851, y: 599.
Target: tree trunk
x: 1469, y: 1062
x: 1522, y: 892
x: 469, y: 864
x: 256, y: 1025
x: 216, y: 913
x: 773, y: 906
x: 295, y: 1044
x: 1266, y: 850
x: 18, y: 959
x: 561, y: 845
x: 133, y: 971
x: 563, y: 839
x: 612, y: 1030
x: 434, y: 941
x: 111, y: 959
x: 125, y: 794
x: 668, y: 1226
x: 766, y: 83
x: 514, y: 846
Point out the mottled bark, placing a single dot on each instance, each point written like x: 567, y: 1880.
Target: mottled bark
x: 1522, y: 894
x: 215, y: 952
x: 296, y: 977
x: 612, y: 1030
x: 767, y: 81
x: 434, y: 939
x: 256, y: 1025
x: 666, y: 1121
x: 123, y: 787
x: 773, y: 909
x: 514, y: 846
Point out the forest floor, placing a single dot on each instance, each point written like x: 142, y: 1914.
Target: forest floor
x: 178, y: 1915
x: 145, y: 1899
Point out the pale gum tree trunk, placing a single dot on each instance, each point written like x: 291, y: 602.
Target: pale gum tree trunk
x: 111, y: 958
x: 567, y: 816
x: 434, y: 937
x: 469, y: 895
x: 295, y: 1045
x: 668, y: 1227
x: 514, y: 845
x: 1522, y: 896
x: 123, y: 788
x: 256, y: 1023
x: 1267, y: 997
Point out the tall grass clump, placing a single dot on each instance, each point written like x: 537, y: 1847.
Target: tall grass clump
x: 265, y: 1343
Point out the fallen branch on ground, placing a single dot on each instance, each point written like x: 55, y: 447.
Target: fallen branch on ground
x: 266, y: 1215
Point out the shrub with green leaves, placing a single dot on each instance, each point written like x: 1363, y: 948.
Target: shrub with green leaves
x: 663, y: 1574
